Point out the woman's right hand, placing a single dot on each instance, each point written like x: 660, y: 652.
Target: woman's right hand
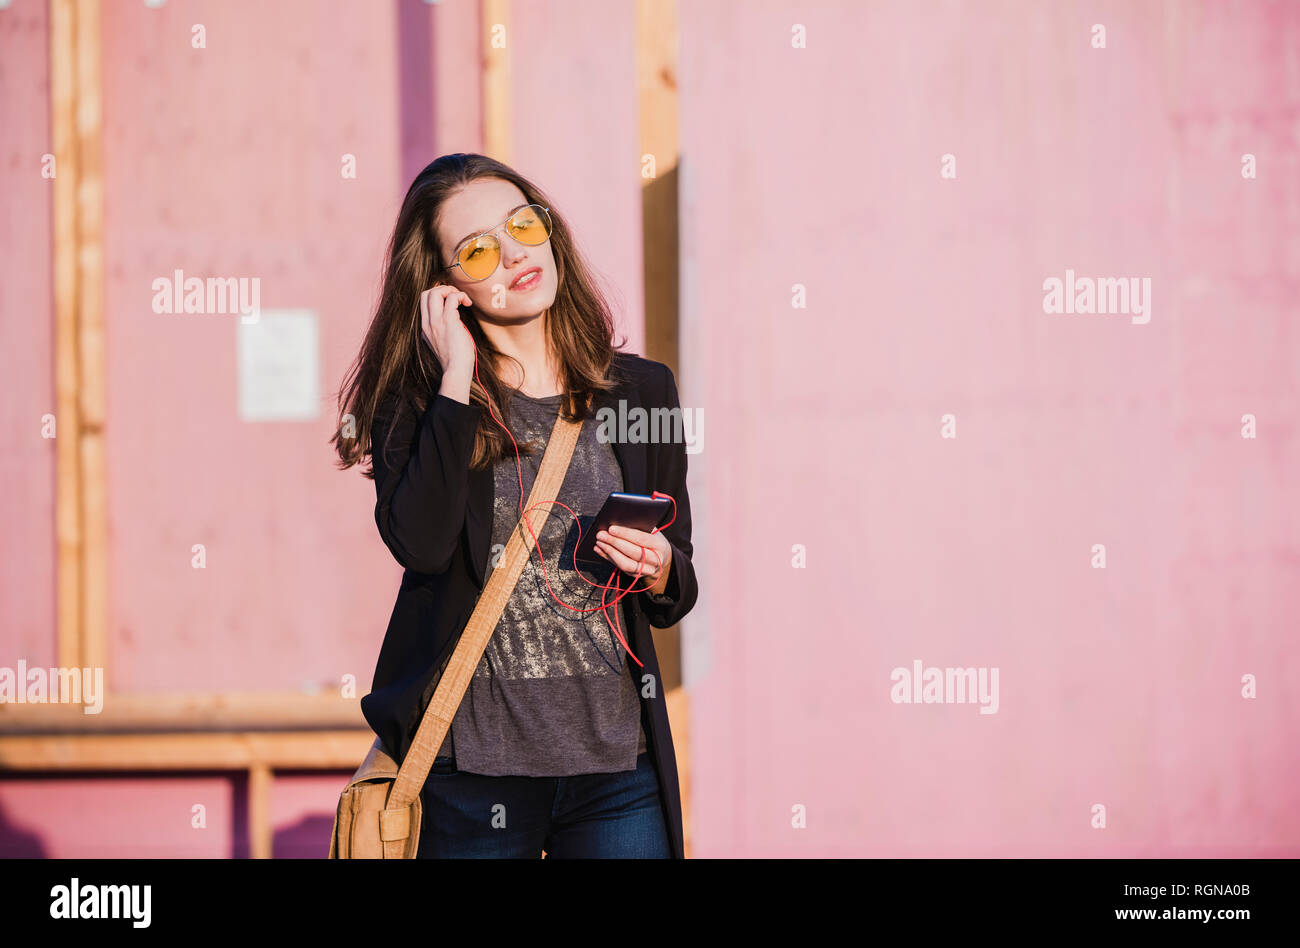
x: 446, y: 334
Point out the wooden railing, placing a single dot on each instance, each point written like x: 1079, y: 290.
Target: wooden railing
x: 257, y: 734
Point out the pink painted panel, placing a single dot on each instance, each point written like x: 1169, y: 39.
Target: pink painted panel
x: 131, y: 816
x: 1119, y: 686
x: 27, y: 543
x: 575, y: 130
x: 195, y: 816
x: 226, y: 161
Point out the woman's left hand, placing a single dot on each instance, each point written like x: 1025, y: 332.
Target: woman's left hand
x: 622, y: 547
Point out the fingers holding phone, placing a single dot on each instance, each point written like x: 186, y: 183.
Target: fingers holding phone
x: 645, y: 556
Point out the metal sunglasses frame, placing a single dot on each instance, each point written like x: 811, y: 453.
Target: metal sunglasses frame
x: 550, y: 225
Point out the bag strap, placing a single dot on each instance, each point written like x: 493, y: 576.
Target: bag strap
x: 483, y: 622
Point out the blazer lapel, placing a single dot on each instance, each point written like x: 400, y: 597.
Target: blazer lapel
x: 482, y: 484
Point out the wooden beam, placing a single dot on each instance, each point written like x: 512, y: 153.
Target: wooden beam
x: 90, y: 338
x: 81, y: 508
x: 279, y: 711
x: 496, y: 80
x: 63, y: 123
x: 288, y: 750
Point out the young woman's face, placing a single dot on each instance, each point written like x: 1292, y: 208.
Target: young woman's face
x: 483, y: 206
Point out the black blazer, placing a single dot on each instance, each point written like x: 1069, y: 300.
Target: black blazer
x: 435, y: 515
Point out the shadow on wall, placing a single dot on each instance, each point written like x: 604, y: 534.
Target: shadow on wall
x: 307, y: 838
x: 18, y: 843
x: 416, y: 106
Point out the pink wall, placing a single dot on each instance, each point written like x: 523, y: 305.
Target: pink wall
x: 576, y: 131
x: 203, y: 816
x: 820, y: 166
x: 237, y: 172
x: 816, y: 166
x: 27, y: 543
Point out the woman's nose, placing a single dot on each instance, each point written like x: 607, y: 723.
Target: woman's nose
x: 511, y: 250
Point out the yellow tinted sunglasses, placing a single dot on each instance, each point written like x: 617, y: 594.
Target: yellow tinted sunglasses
x: 479, y: 256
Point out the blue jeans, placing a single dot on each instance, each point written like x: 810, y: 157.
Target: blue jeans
x: 602, y: 816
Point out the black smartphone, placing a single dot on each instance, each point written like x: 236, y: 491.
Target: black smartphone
x: 638, y: 511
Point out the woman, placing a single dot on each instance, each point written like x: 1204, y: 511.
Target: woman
x: 561, y: 743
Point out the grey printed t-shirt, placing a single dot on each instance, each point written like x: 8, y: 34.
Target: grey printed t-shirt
x: 554, y: 693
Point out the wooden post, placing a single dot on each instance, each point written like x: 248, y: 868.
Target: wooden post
x: 259, y: 810
x: 63, y: 100
x: 496, y: 80
x: 90, y: 338
x: 656, y: 49
x: 80, y: 497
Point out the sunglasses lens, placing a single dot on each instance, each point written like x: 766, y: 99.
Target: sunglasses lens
x: 531, y: 226
x: 479, y: 258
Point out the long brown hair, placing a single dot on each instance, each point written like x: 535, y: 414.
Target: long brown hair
x: 396, y: 362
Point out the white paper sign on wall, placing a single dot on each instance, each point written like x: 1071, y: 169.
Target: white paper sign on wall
x: 279, y: 366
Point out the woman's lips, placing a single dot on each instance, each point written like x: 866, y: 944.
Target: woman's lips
x: 529, y: 279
